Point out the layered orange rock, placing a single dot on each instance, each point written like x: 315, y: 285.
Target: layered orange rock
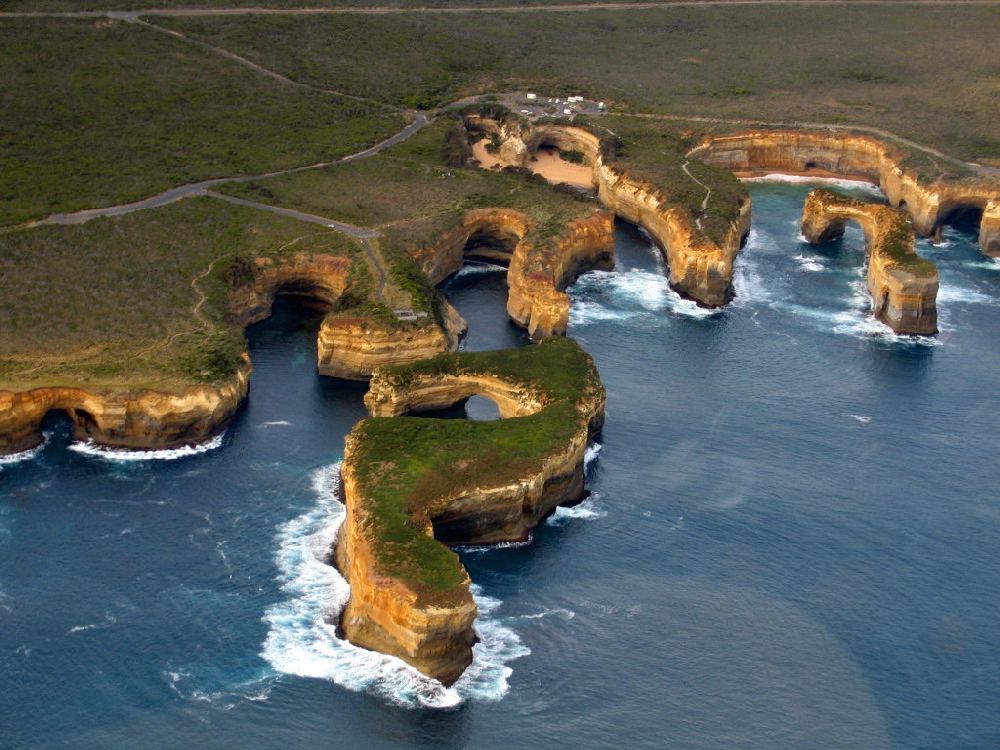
x: 349, y: 346
x: 542, y: 261
x: 141, y: 418
x: 903, y: 286
x: 414, y: 485
x: 855, y: 156
x: 699, y: 267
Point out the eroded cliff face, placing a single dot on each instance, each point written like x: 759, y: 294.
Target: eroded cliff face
x: 903, y: 286
x: 353, y: 347
x: 539, y: 269
x: 858, y: 157
x: 148, y: 419
x: 539, y: 274
x: 123, y: 418
x: 699, y: 268
x: 433, y: 631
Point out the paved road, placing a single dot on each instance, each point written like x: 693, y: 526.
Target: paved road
x: 375, y: 10
x: 203, y: 187
x: 361, y: 233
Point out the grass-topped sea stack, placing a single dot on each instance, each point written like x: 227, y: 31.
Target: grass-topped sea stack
x: 414, y: 485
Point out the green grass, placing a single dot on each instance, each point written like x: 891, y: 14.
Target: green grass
x: 898, y: 241
x: 407, y: 465
x: 99, y: 112
x: 413, y: 196
x: 880, y: 66
x: 110, y: 303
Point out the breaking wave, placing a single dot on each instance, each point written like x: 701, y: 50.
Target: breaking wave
x: 90, y: 448
x: 16, y: 458
x: 855, y: 185
x: 302, y: 636
x: 808, y: 263
x: 617, y: 295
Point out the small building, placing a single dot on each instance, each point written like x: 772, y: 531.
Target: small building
x: 531, y: 97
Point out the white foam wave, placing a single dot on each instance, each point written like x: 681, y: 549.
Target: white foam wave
x: 807, y: 263
x: 276, y: 423
x: 617, y: 295
x: 108, y: 620
x: 565, y: 614
x: 473, y: 268
x: 748, y: 284
x: 587, y: 510
x: 590, y: 455
x: 90, y: 448
x: 857, y: 323
x: 861, y: 418
x: 16, y: 458
x: 993, y: 264
x: 795, y: 179
x: 302, y: 635
x: 948, y: 293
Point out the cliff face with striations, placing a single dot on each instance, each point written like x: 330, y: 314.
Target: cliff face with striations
x: 148, y: 419
x: 858, y: 157
x: 540, y: 268
x: 455, y: 482
x: 539, y: 273
x: 699, y: 268
x: 353, y: 347
x: 123, y: 418
x: 902, y: 285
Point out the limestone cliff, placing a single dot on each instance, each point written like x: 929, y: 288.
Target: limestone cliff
x: 540, y: 266
x: 352, y: 347
x: 348, y: 347
x: 699, y: 268
x: 412, y: 483
x: 123, y: 418
x: 902, y: 285
x: 859, y: 157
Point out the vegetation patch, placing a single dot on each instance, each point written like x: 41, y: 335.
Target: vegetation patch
x: 408, y: 467
x: 99, y: 112
x: 140, y: 300
x: 662, y: 60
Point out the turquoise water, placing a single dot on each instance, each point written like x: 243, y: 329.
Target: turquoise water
x: 791, y: 541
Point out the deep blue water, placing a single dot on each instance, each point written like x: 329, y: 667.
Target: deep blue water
x: 791, y: 542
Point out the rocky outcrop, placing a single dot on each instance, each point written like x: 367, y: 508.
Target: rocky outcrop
x: 862, y: 157
x: 123, y: 418
x: 348, y: 347
x: 903, y: 286
x: 459, y: 482
x: 699, y: 268
x: 352, y: 347
x: 540, y: 267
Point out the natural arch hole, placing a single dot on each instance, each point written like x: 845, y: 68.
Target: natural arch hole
x: 491, y: 245
x: 475, y: 408
x: 482, y: 409
x: 964, y: 218
x: 308, y: 295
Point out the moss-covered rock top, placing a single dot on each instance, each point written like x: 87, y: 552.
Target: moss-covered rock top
x: 406, y: 467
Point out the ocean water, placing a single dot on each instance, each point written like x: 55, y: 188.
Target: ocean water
x: 791, y: 540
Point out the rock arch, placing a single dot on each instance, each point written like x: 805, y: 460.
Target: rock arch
x: 903, y: 286
x: 458, y: 482
x: 539, y: 268
x: 856, y: 156
x: 699, y: 267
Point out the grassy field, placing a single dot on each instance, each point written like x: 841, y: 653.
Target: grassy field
x: 102, y: 112
x: 407, y: 465
x: 409, y: 192
x: 100, y: 303
x: 924, y: 72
